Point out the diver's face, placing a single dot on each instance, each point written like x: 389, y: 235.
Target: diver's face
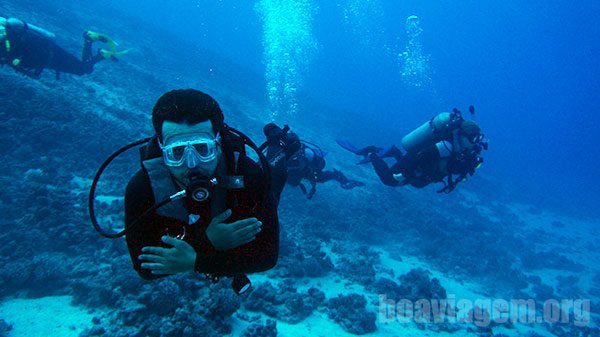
x: 172, y: 132
x: 466, y: 142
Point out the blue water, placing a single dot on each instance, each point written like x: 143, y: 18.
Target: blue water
x: 364, y: 70
x: 530, y: 69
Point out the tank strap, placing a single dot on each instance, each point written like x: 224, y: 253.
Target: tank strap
x: 432, y: 126
x: 235, y: 151
x: 163, y: 187
x: 456, y: 141
x: 444, y: 148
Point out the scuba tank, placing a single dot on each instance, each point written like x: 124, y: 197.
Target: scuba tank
x: 19, y: 27
x: 432, y: 131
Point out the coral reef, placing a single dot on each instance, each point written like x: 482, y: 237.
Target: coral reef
x: 302, y: 257
x: 65, y: 129
x: 357, y: 264
x: 284, y: 302
x: 416, y: 285
x: 349, y: 311
x: 269, y: 329
x: 5, y: 328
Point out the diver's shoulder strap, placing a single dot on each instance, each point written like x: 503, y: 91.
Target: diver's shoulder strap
x: 150, y: 150
x: 163, y: 187
x: 234, y: 146
x: 234, y: 150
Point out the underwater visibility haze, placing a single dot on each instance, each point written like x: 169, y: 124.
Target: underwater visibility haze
x: 353, y: 252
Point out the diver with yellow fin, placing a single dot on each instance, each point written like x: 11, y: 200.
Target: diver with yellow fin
x: 30, y: 49
x: 446, y: 149
x: 112, y: 52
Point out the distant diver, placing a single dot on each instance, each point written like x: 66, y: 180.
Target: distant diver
x: 445, y: 149
x: 30, y: 49
x: 308, y: 163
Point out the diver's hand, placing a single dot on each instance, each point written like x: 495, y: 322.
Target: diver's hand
x: 225, y: 236
x: 181, y: 257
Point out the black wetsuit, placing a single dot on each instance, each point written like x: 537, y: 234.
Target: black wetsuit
x: 258, y: 199
x: 419, y: 169
x: 36, y: 52
x: 301, y: 167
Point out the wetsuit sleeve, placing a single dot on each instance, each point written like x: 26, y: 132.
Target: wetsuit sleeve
x: 256, y: 256
x: 139, y: 198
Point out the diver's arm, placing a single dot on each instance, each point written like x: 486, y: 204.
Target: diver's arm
x: 258, y: 255
x: 138, y: 198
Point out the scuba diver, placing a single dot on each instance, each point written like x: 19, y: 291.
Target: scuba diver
x: 199, y: 202
x: 308, y: 163
x: 445, y: 149
x: 30, y: 49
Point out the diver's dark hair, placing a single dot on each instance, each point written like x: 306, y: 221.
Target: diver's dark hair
x: 188, y: 106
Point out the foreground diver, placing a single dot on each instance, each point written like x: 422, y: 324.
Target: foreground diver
x: 227, y: 224
x: 308, y: 163
x: 30, y: 49
x: 445, y: 149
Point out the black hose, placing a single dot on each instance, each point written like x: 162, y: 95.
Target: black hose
x: 92, y: 193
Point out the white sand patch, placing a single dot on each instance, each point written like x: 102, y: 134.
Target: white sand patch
x: 460, y: 289
x: 577, y: 240
x: 318, y: 324
x: 48, y: 316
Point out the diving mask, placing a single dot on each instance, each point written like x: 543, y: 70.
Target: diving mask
x: 476, y: 138
x: 191, y: 149
x: 479, y: 140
